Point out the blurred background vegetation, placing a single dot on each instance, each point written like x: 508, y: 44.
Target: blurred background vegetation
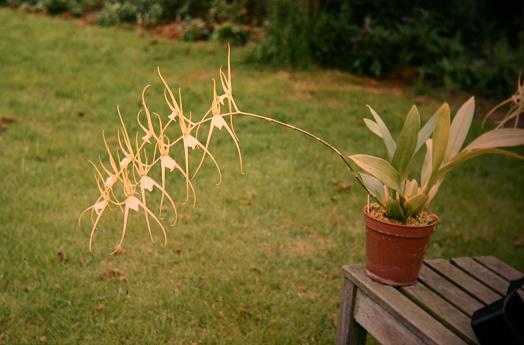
x: 470, y: 45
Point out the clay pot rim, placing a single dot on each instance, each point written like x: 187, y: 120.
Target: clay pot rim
x: 404, y: 226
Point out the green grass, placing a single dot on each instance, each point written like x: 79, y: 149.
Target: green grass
x: 258, y: 260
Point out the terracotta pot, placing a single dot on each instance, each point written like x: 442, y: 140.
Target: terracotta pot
x: 394, y: 251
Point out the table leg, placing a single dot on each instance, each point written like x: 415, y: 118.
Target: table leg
x: 349, y: 332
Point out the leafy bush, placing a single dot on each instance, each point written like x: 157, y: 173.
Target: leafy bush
x: 196, y: 30
x: 56, y: 6
x: 232, y: 33
x: 288, y: 36
x: 454, y: 43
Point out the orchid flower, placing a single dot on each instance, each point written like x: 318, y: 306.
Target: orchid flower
x: 186, y: 126
x: 515, y: 110
x: 218, y: 121
x: 147, y: 183
x: 133, y: 203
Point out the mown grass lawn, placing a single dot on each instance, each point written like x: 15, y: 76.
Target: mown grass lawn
x: 258, y: 260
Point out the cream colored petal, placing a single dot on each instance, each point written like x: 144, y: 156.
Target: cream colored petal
x: 125, y: 162
x: 218, y: 121
x: 110, y: 181
x: 147, y: 183
x: 168, y: 162
x: 100, y: 206
x: 133, y: 203
x: 190, y: 141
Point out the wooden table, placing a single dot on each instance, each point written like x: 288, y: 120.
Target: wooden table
x: 436, y: 310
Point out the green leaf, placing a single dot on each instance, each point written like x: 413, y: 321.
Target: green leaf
x: 407, y: 142
x: 425, y: 173
x: 378, y: 168
x: 373, y: 127
x: 440, y: 136
x: 466, y: 155
x: 501, y: 137
x: 426, y: 130
x: 386, y: 135
x: 415, y: 205
x: 375, y: 187
x: 411, y: 188
x: 460, y: 128
x: 394, y: 210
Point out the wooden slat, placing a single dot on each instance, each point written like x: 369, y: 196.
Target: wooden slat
x: 500, y: 267
x: 415, y: 319
x: 449, y: 291
x: 464, y: 281
x: 442, y: 310
x: 378, y: 322
x: 483, y: 274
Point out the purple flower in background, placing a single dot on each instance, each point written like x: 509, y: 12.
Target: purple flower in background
x: 426, y: 16
x: 355, y: 40
x: 407, y: 19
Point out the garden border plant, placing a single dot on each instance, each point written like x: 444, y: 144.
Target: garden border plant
x: 402, y: 202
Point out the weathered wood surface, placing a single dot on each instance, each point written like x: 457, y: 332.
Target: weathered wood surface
x: 483, y: 274
x: 449, y: 291
x: 464, y: 280
x: 436, y: 310
x: 349, y: 331
x: 442, y: 310
x: 383, y: 326
x: 415, y: 319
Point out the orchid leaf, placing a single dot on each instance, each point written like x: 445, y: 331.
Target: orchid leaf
x: 374, y: 186
x: 406, y: 143
x: 386, y: 135
x: 460, y: 128
x: 415, y: 204
x: 500, y: 137
x: 378, y: 168
x: 440, y: 136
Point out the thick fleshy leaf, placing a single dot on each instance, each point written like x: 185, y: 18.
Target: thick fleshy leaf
x: 374, y: 186
x: 407, y: 142
x: 415, y: 205
x: 394, y: 210
x: 379, y: 168
x: 459, y: 128
x: 466, y: 155
x: 440, y: 136
x: 425, y: 173
x: 411, y: 188
x: 501, y: 137
x: 426, y: 130
x: 391, y: 146
x: 373, y: 127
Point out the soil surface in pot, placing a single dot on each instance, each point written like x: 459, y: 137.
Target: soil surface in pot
x: 422, y: 219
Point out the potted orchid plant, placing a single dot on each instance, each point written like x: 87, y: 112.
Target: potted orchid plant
x: 398, y: 223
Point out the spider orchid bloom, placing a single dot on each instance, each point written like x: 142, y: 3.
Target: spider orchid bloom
x: 99, y: 206
x: 227, y: 87
x: 149, y: 130
x: 189, y: 141
x: 166, y: 162
x: 133, y: 203
x: 147, y: 183
x: 113, y: 174
x: 127, y: 149
x: 515, y: 110
x: 217, y: 121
